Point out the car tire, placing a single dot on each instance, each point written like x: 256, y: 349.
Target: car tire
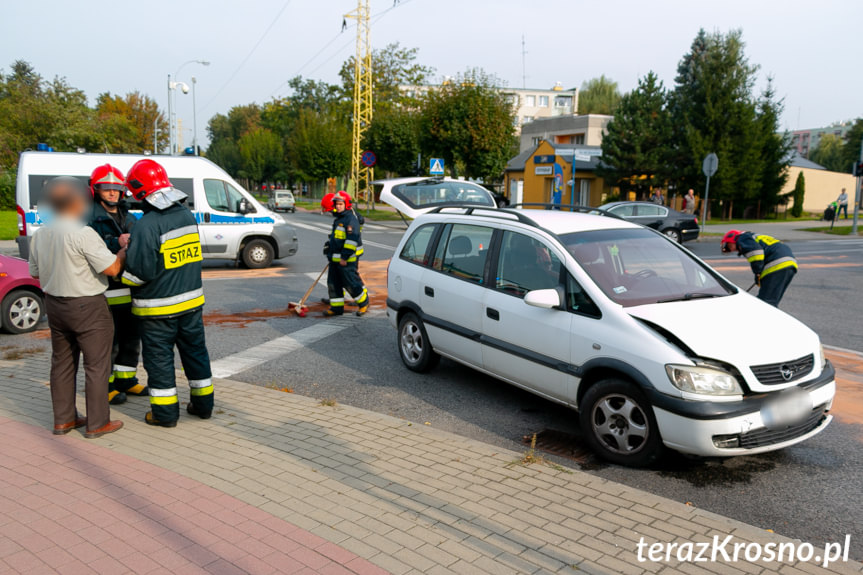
x: 22, y: 310
x: 673, y: 234
x: 619, y: 424
x: 258, y: 254
x: 414, y: 346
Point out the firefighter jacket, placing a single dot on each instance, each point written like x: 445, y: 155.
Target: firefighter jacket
x: 163, y: 263
x: 345, y: 241
x: 765, y: 254
x: 110, y: 231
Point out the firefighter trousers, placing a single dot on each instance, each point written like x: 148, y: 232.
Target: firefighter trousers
x: 773, y: 285
x: 126, y: 350
x: 158, y: 338
x: 341, y: 279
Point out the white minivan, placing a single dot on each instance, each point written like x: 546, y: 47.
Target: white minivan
x: 233, y: 224
x: 649, y: 344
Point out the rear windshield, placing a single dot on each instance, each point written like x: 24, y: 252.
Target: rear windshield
x: 37, y: 185
x: 638, y: 266
x: 431, y: 193
x: 284, y: 195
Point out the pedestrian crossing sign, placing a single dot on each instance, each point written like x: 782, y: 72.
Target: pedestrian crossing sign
x: 436, y: 166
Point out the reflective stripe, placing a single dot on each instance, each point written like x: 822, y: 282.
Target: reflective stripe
x: 171, y: 391
x: 360, y: 251
x: 337, y: 258
x: 117, y: 292
x: 120, y: 300
x: 199, y: 391
x: 179, y: 232
x: 364, y: 297
x: 131, y: 279
x: 339, y: 234
x: 193, y: 383
x: 767, y: 240
x: 124, y: 372
x: 337, y: 302
x: 754, y: 255
x: 779, y: 264
x: 118, y: 367
x: 168, y: 305
x: 352, y: 259
x: 179, y: 242
x: 154, y: 400
x: 349, y: 247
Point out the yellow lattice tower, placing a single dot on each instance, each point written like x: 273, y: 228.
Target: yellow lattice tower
x: 360, y: 174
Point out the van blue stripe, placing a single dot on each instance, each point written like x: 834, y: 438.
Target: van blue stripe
x: 31, y: 218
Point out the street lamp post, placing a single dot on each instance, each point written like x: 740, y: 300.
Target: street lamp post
x: 172, y: 89
x: 194, y: 119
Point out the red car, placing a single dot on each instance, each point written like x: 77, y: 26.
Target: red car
x: 21, y: 305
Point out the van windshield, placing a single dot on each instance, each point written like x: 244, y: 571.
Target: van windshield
x: 638, y: 266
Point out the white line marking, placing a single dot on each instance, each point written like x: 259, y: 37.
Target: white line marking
x: 254, y: 356
x: 327, y: 231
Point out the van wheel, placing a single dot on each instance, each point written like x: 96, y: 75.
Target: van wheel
x: 22, y: 310
x: 258, y: 254
x: 619, y: 423
x: 414, y: 346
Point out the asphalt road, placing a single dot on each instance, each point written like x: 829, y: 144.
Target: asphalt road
x: 813, y: 491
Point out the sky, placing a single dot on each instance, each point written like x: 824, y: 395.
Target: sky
x: 255, y: 46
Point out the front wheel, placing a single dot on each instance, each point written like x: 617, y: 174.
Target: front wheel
x: 414, y: 346
x: 258, y: 254
x: 22, y: 310
x: 619, y: 423
x: 672, y: 234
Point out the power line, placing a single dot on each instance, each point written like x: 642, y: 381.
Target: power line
x: 248, y: 56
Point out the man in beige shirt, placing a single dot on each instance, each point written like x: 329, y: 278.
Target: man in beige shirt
x: 73, y: 264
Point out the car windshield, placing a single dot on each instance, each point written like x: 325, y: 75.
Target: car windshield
x: 637, y: 266
x: 434, y: 193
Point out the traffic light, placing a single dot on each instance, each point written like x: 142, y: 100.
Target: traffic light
x: 858, y: 169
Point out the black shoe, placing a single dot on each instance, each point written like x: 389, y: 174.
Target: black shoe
x: 192, y: 410
x: 116, y: 397
x: 150, y: 420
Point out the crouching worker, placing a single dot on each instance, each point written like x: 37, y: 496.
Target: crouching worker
x: 113, y: 223
x: 771, y: 261
x: 73, y: 265
x: 163, y: 268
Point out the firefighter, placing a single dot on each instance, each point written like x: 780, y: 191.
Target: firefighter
x: 111, y: 220
x: 163, y: 266
x: 343, y: 250
x: 772, y: 262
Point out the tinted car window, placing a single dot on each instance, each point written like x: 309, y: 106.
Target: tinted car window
x: 417, y: 247
x: 524, y: 265
x: 645, y: 210
x: 624, y: 211
x: 430, y: 193
x: 463, y: 250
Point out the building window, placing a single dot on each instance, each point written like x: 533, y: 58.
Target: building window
x: 578, y: 139
x: 562, y: 101
x: 543, y: 101
x: 527, y: 119
x: 536, y: 141
x: 530, y: 101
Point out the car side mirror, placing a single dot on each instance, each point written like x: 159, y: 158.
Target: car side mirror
x: 543, y: 298
x: 246, y: 207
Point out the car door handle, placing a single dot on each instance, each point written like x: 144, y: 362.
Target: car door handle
x: 492, y: 313
x: 429, y: 291
x: 206, y: 217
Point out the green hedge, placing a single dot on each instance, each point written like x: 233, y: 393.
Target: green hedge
x: 7, y: 189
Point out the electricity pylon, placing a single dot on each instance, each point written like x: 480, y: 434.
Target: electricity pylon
x: 360, y: 174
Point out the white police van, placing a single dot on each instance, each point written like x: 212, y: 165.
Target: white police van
x: 233, y: 225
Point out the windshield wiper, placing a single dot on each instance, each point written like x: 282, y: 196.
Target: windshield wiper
x: 689, y: 296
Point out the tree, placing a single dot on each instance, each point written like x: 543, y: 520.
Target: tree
x: 469, y: 123
x: 799, y: 193
x: 392, y: 67
x: 851, y: 148
x: 261, y: 153
x: 714, y: 111
x: 635, y: 150
x: 394, y: 136
x: 830, y: 154
x: 319, y: 146
x: 774, y: 151
x: 128, y: 122
x: 225, y: 132
x: 598, y: 96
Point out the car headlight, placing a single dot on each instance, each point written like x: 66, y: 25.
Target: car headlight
x: 703, y: 380
x: 821, y: 356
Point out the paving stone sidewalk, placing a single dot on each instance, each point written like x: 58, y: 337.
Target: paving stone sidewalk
x: 403, y: 496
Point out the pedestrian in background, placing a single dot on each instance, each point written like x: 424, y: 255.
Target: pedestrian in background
x: 657, y: 197
x: 689, y: 202
x: 111, y: 220
x: 73, y: 264
x: 842, y: 200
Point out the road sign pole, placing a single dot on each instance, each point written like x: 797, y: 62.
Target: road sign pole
x: 704, y: 207
x: 857, y: 183
x: 708, y: 167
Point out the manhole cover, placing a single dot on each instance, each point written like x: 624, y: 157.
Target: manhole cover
x: 561, y: 444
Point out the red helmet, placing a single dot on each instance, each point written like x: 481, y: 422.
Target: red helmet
x: 146, y: 177
x: 729, y: 240
x: 327, y: 202
x: 106, y: 177
x: 346, y: 197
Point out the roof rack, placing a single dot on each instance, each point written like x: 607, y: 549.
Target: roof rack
x: 489, y: 212
x: 570, y: 207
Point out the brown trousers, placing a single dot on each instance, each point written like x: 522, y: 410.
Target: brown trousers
x: 80, y: 325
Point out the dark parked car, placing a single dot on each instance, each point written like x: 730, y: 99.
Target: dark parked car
x: 676, y: 225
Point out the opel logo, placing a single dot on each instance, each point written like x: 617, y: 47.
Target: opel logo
x: 787, y: 372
